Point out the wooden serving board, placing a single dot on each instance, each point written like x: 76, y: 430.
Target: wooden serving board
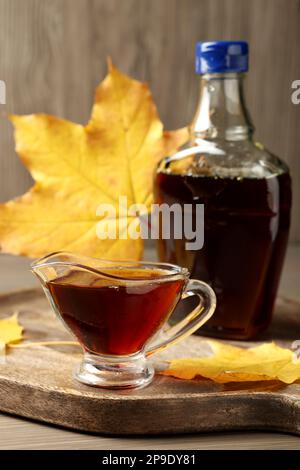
x: 37, y: 382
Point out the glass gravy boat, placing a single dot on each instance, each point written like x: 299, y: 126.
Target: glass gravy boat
x: 116, y: 309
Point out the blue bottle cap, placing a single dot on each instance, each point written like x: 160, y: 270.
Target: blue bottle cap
x: 221, y: 56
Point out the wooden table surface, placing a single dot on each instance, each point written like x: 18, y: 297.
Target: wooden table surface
x: 17, y: 433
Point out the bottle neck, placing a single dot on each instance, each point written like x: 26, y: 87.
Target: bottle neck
x: 221, y: 112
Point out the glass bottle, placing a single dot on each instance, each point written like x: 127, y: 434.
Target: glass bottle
x: 246, y: 192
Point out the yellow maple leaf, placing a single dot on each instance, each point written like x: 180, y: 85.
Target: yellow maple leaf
x: 231, y: 364
x: 10, y: 331
x: 77, y: 168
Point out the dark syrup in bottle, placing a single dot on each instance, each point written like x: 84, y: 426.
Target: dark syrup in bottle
x: 246, y: 225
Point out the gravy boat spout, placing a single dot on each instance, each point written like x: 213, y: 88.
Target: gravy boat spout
x: 77, y: 268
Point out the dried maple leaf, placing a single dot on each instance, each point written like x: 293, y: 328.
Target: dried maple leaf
x: 10, y: 331
x: 231, y: 364
x: 76, y: 168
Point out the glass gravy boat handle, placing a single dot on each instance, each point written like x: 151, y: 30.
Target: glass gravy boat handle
x: 194, y: 320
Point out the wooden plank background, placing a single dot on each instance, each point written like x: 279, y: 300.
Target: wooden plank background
x: 52, y: 55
